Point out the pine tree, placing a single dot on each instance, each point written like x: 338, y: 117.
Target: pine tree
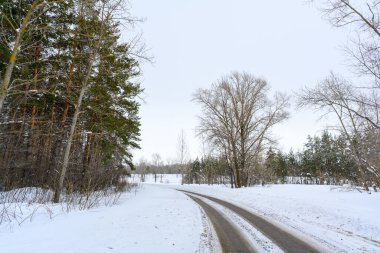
x: 63, y: 54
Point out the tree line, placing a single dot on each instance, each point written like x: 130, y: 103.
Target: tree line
x: 238, y: 113
x: 325, y: 159
x: 68, y: 95
x: 209, y: 170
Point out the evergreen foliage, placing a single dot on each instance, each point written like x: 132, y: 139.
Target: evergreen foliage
x: 324, y: 160
x: 51, y: 66
x: 208, y: 170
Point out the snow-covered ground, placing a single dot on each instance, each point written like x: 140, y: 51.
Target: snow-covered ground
x: 172, y: 179
x: 157, y: 218
x: 340, y: 220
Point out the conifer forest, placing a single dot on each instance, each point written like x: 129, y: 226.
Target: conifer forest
x: 68, y: 95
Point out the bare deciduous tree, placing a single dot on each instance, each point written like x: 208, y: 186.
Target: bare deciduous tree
x: 364, y: 18
x: 182, y: 148
x: 156, y: 161
x: 182, y: 151
x: 237, y: 117
x: 358, y: 115
x: 356, y: 105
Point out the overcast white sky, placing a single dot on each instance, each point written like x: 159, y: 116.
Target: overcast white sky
x: 196, y: 42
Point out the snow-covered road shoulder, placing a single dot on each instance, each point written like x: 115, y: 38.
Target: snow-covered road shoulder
x: 156, y: 219
x: 339, y: 220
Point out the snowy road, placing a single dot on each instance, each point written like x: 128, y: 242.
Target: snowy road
x: 230, y: 238
x: 158, y: 218
x: 335, y: 218
x: 283, y: 239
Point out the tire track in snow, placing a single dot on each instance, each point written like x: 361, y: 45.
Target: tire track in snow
x: 286, y: 241
x: 258, y: 240
x: 209, y: 242
x: 229, y: 236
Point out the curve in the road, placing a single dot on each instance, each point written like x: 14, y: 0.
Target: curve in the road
x: 286, y: 241
x: 229, y: 236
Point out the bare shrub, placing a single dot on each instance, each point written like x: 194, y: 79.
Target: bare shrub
x: 20, y: 205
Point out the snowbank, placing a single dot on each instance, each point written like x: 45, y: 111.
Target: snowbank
x: 340, y: 220
x: 156, y: 219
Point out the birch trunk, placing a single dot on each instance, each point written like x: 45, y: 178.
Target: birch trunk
x: 85, y: 86
x: 65, y: 164
x: 12, y: 60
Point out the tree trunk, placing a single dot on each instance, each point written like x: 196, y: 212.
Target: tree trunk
x: 12, y: 60
x: 65, y: 164
x: 232, y: 177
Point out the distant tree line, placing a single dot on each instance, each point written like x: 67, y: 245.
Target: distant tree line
x: 325, y: 159
x: 208, y: 170
x: 68, y: 107
x: 147, y: 168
